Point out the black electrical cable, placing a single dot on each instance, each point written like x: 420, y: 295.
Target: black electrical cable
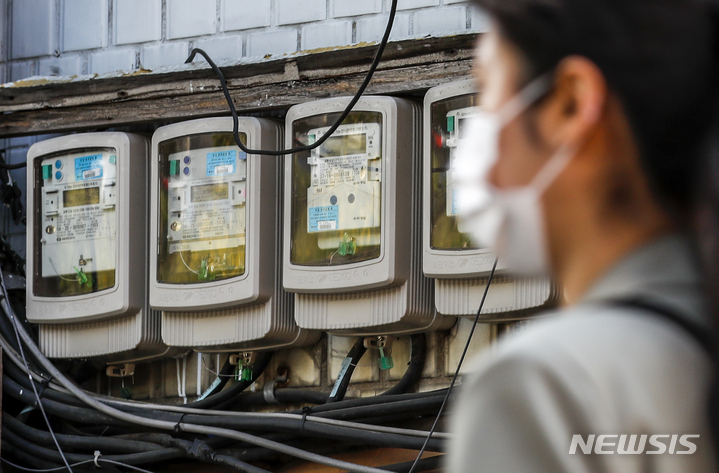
x: 224, y: 376
x: 293, y: 425
x: 46, y: 392
x: 26, y: 459
x: 314, y: 429
x: 348, y: 367
x: 89, y: 463
x: 410, y: 407
x: 11, y: 167
x: 425, y: 464
x: 391, y: 405
x: 130, y: 459
x: 417, y: 357
x: 166, y: 425
x: 76, y: 414
x: 347, y: 434
x: 14, y: 321
x: 367, y: 401
x: 283, y: 396
x: 399, y: 417
x: 258, y: 367
x: 411, y: 377
x: 217, y: 397
x: 203, y: 452
x: 74, y: 441
x: 70, y: 400
x: 459, y: 366
x: 335, y: 125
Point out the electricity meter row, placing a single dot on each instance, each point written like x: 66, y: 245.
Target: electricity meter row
x: 255, y: 252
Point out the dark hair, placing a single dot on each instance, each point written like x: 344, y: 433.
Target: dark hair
x: 658, y: 58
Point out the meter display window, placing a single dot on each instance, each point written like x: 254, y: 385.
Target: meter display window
x: 337, y: 190
x: 203, y: 196
x: 448, y: 121
x: 75, y: 230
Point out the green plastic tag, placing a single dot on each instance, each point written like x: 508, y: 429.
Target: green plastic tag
x: 83, y: 278
x: 347, y: 246
x: 450, y: 124
x: 385, y: 362
x: 205, y: 273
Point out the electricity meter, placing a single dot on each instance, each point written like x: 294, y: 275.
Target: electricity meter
x: 459, y: 266
x: 352, y: 212
x: 216, y: 238
x: 87, y: 251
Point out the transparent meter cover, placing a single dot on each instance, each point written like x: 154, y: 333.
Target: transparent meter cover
x: 203, y: 193
x: 337, y: 191
x: 75, y: 230
x: 448, y: 121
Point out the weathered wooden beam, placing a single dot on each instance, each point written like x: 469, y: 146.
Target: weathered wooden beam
x: 46, y: 107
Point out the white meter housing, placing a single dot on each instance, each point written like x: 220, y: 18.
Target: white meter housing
x: 215, y: 233
x: 352, y: 219
x: 87, y: 254
x: 449, y: 255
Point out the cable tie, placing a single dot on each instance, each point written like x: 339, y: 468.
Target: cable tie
x: 305, y: 411
x: 43, y: 386
x: 177, y: 426
x: 97, y: 455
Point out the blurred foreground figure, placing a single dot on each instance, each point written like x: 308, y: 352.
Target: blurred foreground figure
x: 584, y: 164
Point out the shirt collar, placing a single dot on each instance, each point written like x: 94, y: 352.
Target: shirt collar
x: 663, y: 271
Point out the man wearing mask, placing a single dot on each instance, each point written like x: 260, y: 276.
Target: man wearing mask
x: 581, y: 166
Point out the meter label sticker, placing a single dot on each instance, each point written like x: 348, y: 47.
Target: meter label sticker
x: 211, y: 225
x: 334, y: 171
x: 455, y: 202
x: 221, y: 162
x: 323, y: 218
x: 88, y: 167
x: 84, y: 223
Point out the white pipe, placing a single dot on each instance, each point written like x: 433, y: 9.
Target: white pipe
x: 199, y: 374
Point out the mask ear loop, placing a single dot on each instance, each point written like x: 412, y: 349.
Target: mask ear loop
x: 553, y: 168
x: 517, y: 105
x: 525, y: 98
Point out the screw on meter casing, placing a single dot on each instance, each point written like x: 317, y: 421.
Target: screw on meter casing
x: 203, y: 193
x: 337, y: 190
x: 75, y: 223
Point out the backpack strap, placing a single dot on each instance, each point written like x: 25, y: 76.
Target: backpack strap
x: 701, y: 335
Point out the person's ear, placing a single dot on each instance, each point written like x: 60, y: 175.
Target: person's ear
x: 576, y: 103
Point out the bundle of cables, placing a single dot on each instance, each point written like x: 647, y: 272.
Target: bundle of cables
x: 118, y: 433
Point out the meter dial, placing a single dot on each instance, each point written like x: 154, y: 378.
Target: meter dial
x: 448, y: 121
x: 203, y: 189
x: 337, y: 190
x: 75, y: 234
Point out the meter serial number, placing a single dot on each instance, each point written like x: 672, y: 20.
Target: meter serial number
x: 88, y: 223
x: 333, y: 171
x: 200, y: 223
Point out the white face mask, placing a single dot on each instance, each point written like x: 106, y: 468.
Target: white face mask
x: 508, y: 221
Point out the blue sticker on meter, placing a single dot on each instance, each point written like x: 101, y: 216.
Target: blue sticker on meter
x: 88, y: 167
x: 455, y: 202
x: 322, y: 219
x: 222, y: 162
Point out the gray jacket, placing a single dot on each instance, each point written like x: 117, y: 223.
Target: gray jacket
x: 596, y: 369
